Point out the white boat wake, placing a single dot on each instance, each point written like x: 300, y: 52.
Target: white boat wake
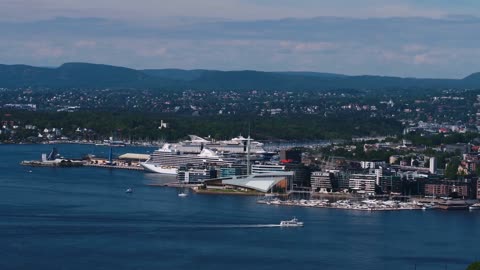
x: 223, y: 226
x: 243, y: 226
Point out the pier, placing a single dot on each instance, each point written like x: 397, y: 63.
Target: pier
x: 123, y: 167
x: 54, y: 163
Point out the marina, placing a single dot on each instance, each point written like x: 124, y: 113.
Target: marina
x: 366, y: 205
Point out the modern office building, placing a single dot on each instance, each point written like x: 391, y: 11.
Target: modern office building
x: 363, y: 183
x: 192, y: 176
x: 233, y: 170
x: 391, y: 184
x: 372, y: 164
x: 291, y: 156
x: 321, y: 181
x: 267, y: 168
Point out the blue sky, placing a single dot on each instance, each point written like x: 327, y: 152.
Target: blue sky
x: 421, y: 38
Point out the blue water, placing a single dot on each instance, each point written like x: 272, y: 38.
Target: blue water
x: 81, y: 218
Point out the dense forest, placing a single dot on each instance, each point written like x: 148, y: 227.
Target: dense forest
x: 129, y: 125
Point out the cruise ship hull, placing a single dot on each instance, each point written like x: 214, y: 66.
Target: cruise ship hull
x: 159, y: 169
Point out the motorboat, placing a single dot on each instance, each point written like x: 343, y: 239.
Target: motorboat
x: 129, y: 191
x: 291, y: 223
x: 428, y: 206
x: 474, y: 206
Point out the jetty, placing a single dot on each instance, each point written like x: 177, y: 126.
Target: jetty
x: 53, y: 159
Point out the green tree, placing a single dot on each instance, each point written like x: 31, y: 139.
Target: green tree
x: 474, y: 266
x: 452, y: 168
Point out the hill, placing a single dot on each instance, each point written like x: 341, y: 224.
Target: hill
x: 100, y: 76
x: 76, y: 75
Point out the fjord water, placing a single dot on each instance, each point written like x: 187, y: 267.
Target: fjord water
x: 81, y: 218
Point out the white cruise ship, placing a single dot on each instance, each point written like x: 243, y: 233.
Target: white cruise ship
x: 168, y: 159
x: 236, y: 145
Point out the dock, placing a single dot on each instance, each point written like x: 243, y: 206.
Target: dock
x: 123, y: 167
x: 52, y: 163
x: 176, y: 185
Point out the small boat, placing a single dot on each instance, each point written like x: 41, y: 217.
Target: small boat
x: 129, y: 191
x: 474, y: 206
x: 291, y: 223
x: 183, y: 194
x: 428, y: 206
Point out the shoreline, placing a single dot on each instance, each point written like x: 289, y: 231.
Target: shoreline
x: 210, y: 192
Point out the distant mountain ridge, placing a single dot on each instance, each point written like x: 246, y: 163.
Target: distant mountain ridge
x: 71, y: 75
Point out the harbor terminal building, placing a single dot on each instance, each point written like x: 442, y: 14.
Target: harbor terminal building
x: 267, y: 182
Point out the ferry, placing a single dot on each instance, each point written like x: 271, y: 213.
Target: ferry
x: 291, y: 223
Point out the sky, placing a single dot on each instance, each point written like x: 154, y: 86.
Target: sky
x: 409, y: 38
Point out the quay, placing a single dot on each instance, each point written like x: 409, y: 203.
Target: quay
x: 198, y: 188
x: 225, y: 192
x: 123, y: 167
x: 52, y: 163
x: 175, y: 185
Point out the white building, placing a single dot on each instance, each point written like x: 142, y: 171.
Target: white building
x: 433, y: 165
x: 321, y: 181
x: 363, y: 183
x: 372, y: 164
x: 267, y: 168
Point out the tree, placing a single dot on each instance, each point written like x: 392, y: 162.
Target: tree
x: 452, y: 168
x: 474, y: 266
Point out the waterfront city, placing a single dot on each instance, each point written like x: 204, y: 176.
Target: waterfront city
x: 239, y: 134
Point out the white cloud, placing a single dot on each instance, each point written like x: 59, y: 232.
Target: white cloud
x: 85, y: 44
x: 308, y: 47
x: 44, y: 50
x: 141, y: 10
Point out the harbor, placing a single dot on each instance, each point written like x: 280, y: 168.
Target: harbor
x: 207, y: 171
